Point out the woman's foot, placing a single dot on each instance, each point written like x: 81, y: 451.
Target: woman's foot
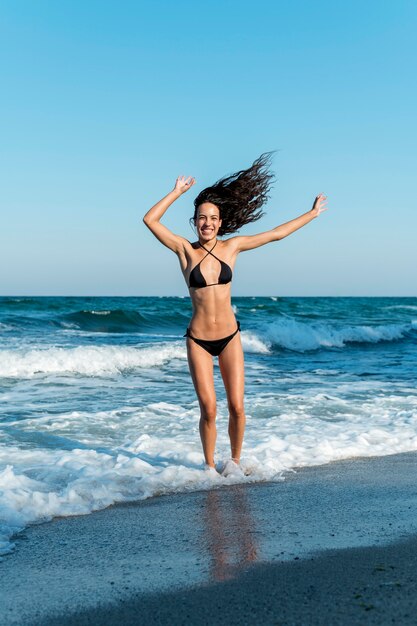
x: 210, y: 469
x: 232, y: 468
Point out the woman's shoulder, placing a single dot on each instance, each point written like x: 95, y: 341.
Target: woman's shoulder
x: 230, y: 243
x: 185, y: 242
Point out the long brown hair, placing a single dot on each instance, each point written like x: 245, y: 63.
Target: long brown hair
x: 240, y: 196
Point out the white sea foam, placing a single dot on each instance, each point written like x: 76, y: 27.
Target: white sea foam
x: 87, y: 361
x: 101, y: 360
x: 252, y: 343
x: 136, y: 452
x: 409, y: 307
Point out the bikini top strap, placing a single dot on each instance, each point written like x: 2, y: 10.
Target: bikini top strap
x: 210, y: 251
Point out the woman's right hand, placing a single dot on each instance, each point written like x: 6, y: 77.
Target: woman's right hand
x: 183, y: 184
x: 319, y: 205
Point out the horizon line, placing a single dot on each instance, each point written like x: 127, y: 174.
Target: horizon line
x: 182, y: 297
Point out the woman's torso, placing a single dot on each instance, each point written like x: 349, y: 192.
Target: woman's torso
x: 213, y: 315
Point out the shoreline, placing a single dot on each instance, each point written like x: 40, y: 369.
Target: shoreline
x: 349, y: 527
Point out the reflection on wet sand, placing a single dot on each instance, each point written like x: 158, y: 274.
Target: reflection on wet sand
x: 229, y: 532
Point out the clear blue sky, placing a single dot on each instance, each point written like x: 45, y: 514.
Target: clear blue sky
x: 105, y: 103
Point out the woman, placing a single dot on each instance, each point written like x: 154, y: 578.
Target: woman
x: 220, y: 209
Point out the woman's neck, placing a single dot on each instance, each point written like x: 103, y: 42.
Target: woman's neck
x: 210, y: 243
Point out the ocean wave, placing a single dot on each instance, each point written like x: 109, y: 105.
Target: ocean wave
x: 252, y: 343
x: 124, y: 321
x: 101, y: 360
x: 86, y: 360
x: 299, y: 336
x: 407, y: 307
x: 105, y: 321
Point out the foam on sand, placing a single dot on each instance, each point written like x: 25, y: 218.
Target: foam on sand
x: 113, y: 459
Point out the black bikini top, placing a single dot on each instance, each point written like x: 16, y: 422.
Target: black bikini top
x: 197, y: 279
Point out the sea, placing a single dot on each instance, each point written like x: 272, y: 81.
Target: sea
x: 97, y: 406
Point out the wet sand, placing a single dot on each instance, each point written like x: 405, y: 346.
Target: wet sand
x: 334, y: 544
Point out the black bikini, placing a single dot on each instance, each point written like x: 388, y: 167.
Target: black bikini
x: 197, y: 281
x: 216, y: 346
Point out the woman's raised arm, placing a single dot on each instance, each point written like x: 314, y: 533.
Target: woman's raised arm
x: 154, y: 215
x: 255, y: 241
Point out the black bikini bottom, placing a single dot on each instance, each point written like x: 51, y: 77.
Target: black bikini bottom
x: 216, y: 346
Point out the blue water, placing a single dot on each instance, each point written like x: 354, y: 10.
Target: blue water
x: 97, y: 404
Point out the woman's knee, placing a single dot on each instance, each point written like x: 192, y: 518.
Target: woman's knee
x: 208, y: 411
x: 236, y: 410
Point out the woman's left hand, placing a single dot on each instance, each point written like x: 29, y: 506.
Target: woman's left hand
x: 319, y: 205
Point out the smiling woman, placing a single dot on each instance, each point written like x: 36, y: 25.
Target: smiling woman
x: 221, y: 209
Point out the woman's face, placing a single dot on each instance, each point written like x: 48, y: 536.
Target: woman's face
x: 208, y: 221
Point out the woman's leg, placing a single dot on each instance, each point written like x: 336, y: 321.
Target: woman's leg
x: 200, y: 363
x: 231, y: 364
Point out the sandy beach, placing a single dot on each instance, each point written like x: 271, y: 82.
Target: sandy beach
x: 334, y: 544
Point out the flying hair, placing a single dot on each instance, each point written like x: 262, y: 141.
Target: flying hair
x: 240, y: 196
